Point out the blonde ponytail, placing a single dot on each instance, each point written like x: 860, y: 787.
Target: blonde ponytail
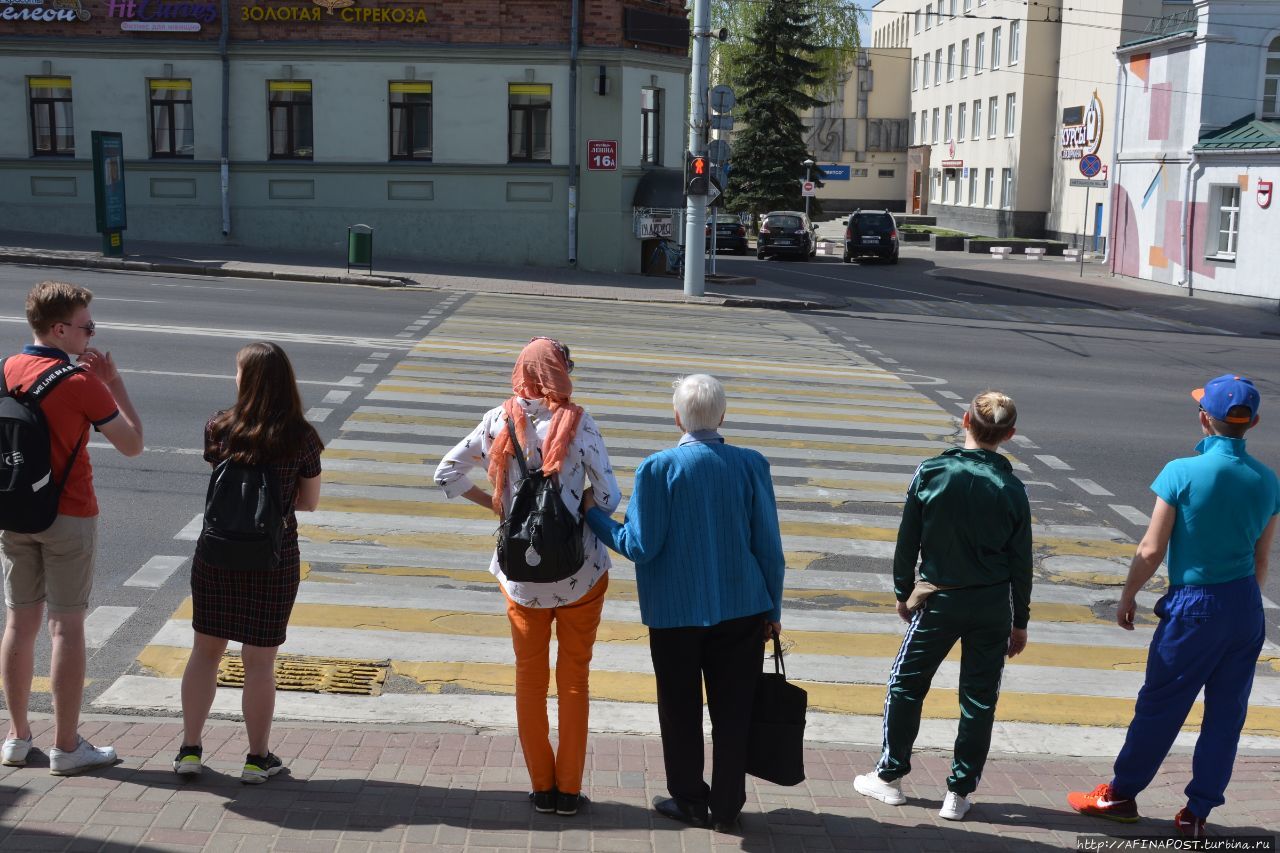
x: 992, y: 416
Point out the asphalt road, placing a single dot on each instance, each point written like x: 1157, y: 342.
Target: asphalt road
x: 1107, y: 391
x: 1104, y: 391
x: 174, y: 338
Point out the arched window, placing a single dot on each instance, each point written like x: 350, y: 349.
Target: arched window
x: 1271, y: 81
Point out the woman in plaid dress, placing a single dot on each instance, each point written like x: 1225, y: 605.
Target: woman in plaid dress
x: 266, y: 425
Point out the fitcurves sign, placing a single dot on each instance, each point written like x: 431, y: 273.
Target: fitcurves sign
x: 1081, y: 132
x: 161, y: 15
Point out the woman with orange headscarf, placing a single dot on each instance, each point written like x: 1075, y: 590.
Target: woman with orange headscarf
x: 562, y: 439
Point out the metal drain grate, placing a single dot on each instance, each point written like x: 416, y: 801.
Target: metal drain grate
x: 314, y: 675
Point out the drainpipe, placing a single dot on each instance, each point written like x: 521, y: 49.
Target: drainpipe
x: 1188, y: 279
x: 225, y: 167
x: 1122, y: 90
x: 573, y: 135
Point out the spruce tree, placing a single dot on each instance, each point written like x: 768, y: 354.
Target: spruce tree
x: 773, y: 89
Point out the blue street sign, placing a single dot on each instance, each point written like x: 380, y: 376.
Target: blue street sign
x: 1090, y: 165
x: 835, y: 172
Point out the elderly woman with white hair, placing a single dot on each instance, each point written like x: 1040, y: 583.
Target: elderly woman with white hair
x: 702, y: 530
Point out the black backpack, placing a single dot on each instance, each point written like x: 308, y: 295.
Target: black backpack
x: 28, y: 494
x: 244, y: 518
x: 540, y: 540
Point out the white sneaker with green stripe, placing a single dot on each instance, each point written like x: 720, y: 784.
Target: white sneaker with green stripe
x: 259, y: 768
x: 189, y: 761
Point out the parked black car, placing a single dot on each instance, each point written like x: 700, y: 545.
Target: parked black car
x: 787, y: 232
x: 871, y: 234
x: 731, y: 234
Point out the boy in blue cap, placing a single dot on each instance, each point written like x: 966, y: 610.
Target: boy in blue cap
x: 1215, y: 515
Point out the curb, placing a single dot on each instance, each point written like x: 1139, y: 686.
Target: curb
x: 38, y: 259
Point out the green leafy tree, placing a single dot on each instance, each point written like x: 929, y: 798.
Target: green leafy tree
x: 834, y: 34
x: 774, y: 87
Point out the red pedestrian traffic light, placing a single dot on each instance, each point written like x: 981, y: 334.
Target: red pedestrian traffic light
x: 696, y: 174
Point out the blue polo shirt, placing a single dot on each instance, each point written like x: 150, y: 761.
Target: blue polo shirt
x: 1224, y: 498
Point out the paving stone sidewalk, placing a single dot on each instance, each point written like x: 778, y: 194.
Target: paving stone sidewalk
x: 398, y: 790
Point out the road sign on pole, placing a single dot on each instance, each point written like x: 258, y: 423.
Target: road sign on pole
x: 808, y: 189
x: 722, y: 99
x: 718, y: 150
x: 1086, y: 182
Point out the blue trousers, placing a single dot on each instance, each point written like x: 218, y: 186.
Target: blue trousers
x: 1209, y: 637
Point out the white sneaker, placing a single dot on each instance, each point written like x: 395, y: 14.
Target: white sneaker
x: 84, y: 757
x: 954, y: 807
x: 871, y: 785
x: 15, y: 751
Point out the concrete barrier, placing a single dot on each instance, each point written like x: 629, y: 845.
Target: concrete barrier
x: 1034, y: 253
x: 1001, y: 252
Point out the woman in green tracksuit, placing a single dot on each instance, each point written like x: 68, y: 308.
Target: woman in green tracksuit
x: 967, y: 519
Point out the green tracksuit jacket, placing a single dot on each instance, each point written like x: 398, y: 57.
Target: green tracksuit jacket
x: 968, y: 519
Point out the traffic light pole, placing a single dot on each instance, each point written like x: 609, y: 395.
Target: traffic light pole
x: 696, y: 208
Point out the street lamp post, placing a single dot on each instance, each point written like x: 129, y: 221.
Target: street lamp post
x: 808, y: 176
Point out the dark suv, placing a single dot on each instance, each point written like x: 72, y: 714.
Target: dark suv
x: 871, y: 234
x: 787, y: 232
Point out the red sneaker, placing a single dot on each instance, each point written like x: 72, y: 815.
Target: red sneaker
x: 1188, y: 825
x: 1101, y: 802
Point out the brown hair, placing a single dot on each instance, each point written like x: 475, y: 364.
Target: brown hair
x: 992, y: 416
x: 1230, y: 430
x: 266, y: 424
x: 53, y: 302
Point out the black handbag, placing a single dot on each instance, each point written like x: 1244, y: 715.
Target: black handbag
x: 775, y: 744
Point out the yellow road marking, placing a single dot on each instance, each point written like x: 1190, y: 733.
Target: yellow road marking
x: 845, y: 699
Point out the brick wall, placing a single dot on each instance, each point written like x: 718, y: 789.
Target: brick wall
x: 460, y: 22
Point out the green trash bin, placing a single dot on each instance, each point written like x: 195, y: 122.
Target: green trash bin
x: 360, y: 247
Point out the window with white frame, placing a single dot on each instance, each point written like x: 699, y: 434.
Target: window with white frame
x: 946, y: 185
x: 968, y: 4
x: 951, y: 62
x: 927, y: 60
x: 1006, y: 188
x: 993, y: 116
x: 915, y: 20
x: 979, y: 53
x: 1010, y: 114
x: 1226, y: 199
x: 1015, y: 36
x: 946, y: 133
x: 912, y: 133
x: 937, y: 183
x: 915, y: 73
x: 651, y: 126
x: 962, y: 123
x: 964, y: 59
x: 973, y: 187
x: 884, y: 173
x: 924, y: 127
x: 995, y: 47
x: 951, y: 7
x: 928, y: 16
x: 989, y: 187
x: 1271, y: 81
x: 977, y: 118
x: 937, y: 67
x: 936, y: 122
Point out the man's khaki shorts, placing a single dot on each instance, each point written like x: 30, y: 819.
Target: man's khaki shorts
x: 55, y: 565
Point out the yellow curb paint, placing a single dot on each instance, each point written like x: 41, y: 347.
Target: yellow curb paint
x: 867, y: 601
x: 435, y: 509
x: 362, y: 478
x: 44, y: 684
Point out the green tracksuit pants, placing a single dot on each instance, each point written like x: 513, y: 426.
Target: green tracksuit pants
x: 980, y: 618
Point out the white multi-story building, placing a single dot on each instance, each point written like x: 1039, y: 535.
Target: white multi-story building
x: 1007, y: 99
x: 1199, y: 152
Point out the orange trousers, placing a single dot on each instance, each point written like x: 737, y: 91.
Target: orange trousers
x: 576, y: 626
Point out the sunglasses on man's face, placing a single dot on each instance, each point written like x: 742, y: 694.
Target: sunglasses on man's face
x: 563, y: 349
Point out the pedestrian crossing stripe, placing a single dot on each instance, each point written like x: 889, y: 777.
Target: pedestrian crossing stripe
x: 394, y: 570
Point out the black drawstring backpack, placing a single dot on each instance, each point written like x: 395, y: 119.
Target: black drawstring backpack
x: 540, y: 539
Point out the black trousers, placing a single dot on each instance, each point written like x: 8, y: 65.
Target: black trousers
x: 728, y: 657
